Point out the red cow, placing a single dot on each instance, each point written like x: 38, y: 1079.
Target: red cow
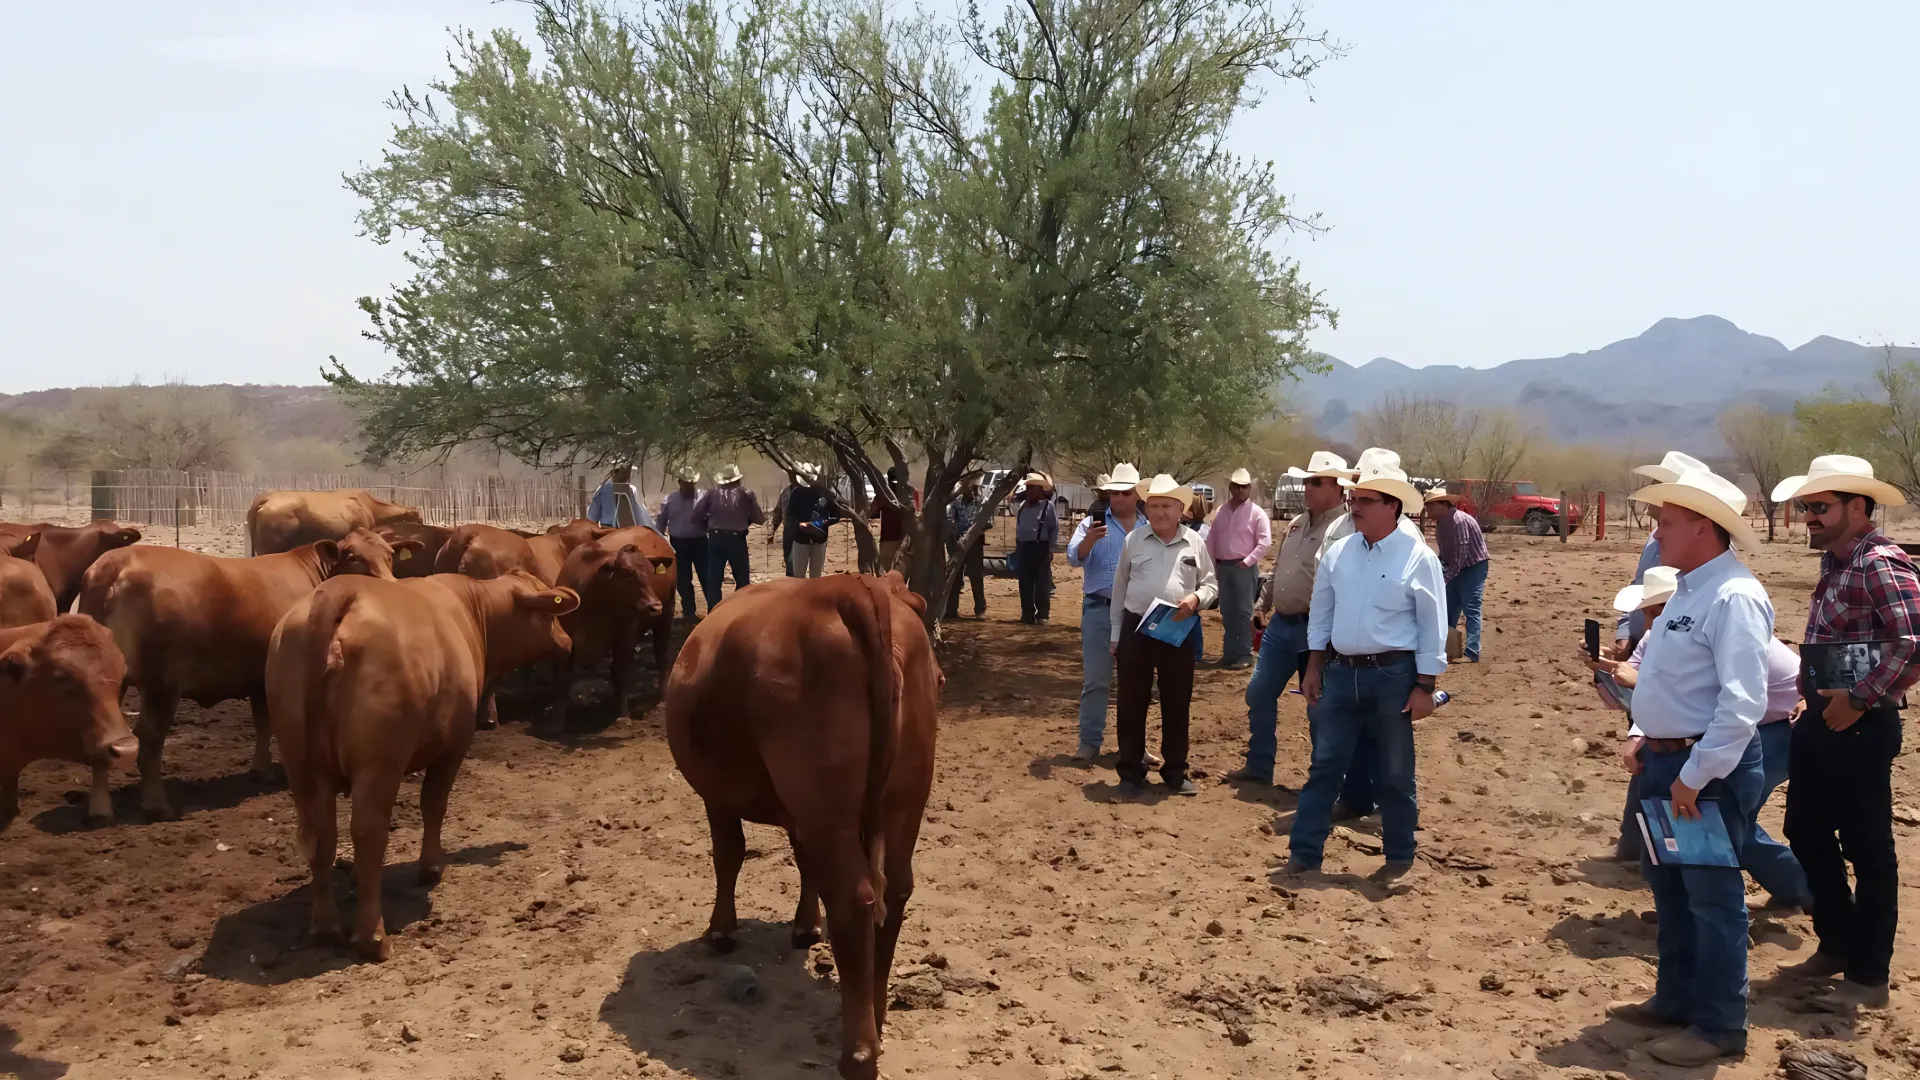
x: 488, y: 551
x: 283, y: 520
x: 810, y: 705
x: 65, y: 554
x: 60, y: 698
x: 625, y: 582
x: 431, y: 539
x: 24, y: 596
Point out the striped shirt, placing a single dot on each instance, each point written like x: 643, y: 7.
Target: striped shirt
x: 1462, y: 544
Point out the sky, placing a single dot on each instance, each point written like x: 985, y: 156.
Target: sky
x: 1497, y: 180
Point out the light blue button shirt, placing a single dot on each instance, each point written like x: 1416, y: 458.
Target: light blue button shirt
x: 1705, y: 671
x: 1385, y: 597
x: 1105, y: 555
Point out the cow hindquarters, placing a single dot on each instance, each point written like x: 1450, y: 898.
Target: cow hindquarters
x: 435, y: 787
x: 373, y: 797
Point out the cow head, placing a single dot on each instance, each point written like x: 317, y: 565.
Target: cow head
x: 365, y: 552
x: 426, y: 542
x: 65, y: 554
x: 20, y: 545
x: 614, y: 579
x: 576, y: 532
x: 523, y: 620
x: 66, y: 677
x: 387, y: 513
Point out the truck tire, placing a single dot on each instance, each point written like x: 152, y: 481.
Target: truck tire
x: 1541, y: 523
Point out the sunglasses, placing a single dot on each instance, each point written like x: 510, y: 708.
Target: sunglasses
x: 1817, y: 509
x: 1321, y: 481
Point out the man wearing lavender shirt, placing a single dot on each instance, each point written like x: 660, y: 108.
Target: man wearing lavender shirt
x: 1463, y: 561
x: 1241, y: 534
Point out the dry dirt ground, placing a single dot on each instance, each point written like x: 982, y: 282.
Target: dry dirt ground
x: 1054, y: 933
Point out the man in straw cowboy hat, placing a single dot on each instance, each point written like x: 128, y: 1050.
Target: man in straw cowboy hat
x: 1036, y: 528
x: 616, y: 502
x: 809, y: 514
x: 1463, y: 561
x: 727, y: 511
x: 1840, y: 801
x: 1376, y: 631
x: 962, y: 512
x: 1701, y: 694
x: 1095, y: 549
x: 680, y: 516
x: 1166, y: 562
x: 1241, y: 534
x: 1632, y: 624
x: 1769, y: 861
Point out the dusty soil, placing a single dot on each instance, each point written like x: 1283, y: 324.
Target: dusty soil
x: 1054, y: 933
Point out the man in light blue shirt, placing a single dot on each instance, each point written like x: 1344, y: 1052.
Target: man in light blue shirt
x: 1376, y: 635
x: 1700, y: 694
x: 1095, y: 548
x: 616, y: 502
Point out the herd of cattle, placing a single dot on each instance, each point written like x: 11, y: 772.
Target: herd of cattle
x: 368, y: 643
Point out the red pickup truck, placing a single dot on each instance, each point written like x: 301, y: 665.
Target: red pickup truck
x: 1514, y: 503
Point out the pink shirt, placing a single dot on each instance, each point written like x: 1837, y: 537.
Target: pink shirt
x: 1240, y: 534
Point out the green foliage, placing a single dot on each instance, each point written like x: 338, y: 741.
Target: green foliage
x: 1881, y: 425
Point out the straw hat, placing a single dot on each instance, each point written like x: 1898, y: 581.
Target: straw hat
x: 1710, y: 495
x: 1839, y: 472
x: 688, y: 476
x: 1039, y: 479
x: 806, y: 470
x: 1671, y: 467
x: 1241, y: 478
x: 1439, y: 494
x: 1323, y: 463
x: 1657, y: 587
x: 729, y: 474
x: 1125, y: 478
x: 1379, y: 470
x: 1166, y: 487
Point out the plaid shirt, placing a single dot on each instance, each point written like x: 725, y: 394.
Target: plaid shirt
x: 1462, y: 544
x: 1870, y: 592
x: 961, y: 515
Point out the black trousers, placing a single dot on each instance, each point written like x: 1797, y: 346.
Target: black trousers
x: 1840, y: 811
x: 690, y: 565
x: 1139, y: 660
x: 724, y: 550
x: 1035, y: 561
x: 975, y: 570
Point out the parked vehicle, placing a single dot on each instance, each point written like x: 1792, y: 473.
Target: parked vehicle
x: 1517, y: 503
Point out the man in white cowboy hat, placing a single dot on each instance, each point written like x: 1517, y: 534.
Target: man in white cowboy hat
x: 727, y: 511
x: 1464, y: 562
x: 616, y: 502
x: 1164, y: 562
x: 687, y: 531
x: 1036, y: 529
x: 1376, y: 631
x: 1700, y: 694
x: 1095, y: 549
x: 1241, y: 534
x: 1632, y: 624
x: 809, y: 514
x: 1840, y: 801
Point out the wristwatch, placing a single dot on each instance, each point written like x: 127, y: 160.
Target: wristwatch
x: 1859, y: 704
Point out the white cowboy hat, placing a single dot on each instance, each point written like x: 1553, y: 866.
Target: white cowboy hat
x: 1166, y: 487
x: 1440, y: 494
x: 1241, y: 478
x: 729, y: 474
x: 1839, y: 472
x: 1710, y: 495
x: 806, y: 470
x: 1657, y: 587
x: 1323, y: 463
x: 1039, y: 478
x: 1379, y: 470
x: 1671, y: 467
x: 688, y: 476
x: 1125, y: 478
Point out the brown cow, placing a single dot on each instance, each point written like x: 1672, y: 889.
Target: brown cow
x: 65, y: 554
x: 283, y: 520
x: 625, y: 581
x: 431, y: 537
x: 810, y: 704
x: 197, y: 626
x: 60, y: 698
x: 488, y: 551
x: 25, y: 598
x: 372, y: 680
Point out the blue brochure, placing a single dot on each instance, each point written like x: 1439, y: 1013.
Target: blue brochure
x: 1676, y: 841
x: 1159, y: 624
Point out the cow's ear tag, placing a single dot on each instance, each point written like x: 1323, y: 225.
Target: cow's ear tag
x: 403, y: 554
x: 559, y: 599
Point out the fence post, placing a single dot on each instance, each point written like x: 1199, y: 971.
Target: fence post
x: 103, y: 500
x: 1563, y: 515
x: 1600, y: 516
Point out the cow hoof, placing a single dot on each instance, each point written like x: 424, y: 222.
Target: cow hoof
x: 431, y: 875
x: 272, y: 774
x: 720, y: 942
x: 861, y: 1064
x: 806, y: 939
x: 377, y: 951
x: 486, y: 723
x: 160, y: 813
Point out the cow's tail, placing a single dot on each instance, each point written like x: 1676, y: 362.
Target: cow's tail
x: 872, y: 623
x: 326, y: 661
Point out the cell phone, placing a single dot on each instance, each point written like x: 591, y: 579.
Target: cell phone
x: 1593, y: 639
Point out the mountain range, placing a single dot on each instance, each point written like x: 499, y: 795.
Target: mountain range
x: 1663, y: 387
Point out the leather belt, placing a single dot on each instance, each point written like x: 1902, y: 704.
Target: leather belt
x: 1373, y: 660
x: 726, y: 532
x: 1291, y: 620
x: 1672, y: 746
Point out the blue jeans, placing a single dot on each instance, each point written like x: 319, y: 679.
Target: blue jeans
x: 1353, y: 702
x: 1283, y: 654
x: 1703, y: 909
x: 1463, y: 598
x: 726, y: 549
x: 1096, y: 668
x: 1239, y: 586
x: 1769, y: 861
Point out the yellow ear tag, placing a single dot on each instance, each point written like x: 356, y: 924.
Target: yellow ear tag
x: 559, y: 600
x: 403, y: 554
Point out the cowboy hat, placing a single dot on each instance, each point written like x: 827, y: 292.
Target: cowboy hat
x: 728, y: 474
x: 806, y: 470
x: 688, y: 476
x: 1440, y: 494
x: 1670, y: 467
x: 1241, y: 478
x: 1125, y: 478
x: 1379, y: 470
x: 1322, y: 463
x: 1039, y: 479
x: 1839, y: 472
x: 1710, y: 495
x: 1657, y: 587
x: 1166, y: 487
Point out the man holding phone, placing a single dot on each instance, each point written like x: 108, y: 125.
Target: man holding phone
x: 1095, y: 549
x: 1700, y: 694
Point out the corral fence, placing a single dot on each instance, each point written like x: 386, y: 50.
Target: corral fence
x: 220, y: 500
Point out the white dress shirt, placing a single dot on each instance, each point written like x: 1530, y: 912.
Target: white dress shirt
x: 1704, y: 675
x: 1384, y: 597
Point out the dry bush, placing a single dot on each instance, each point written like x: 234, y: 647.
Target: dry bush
x: 170, y: 427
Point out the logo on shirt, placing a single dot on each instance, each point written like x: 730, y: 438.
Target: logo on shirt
x: 1680, y: 625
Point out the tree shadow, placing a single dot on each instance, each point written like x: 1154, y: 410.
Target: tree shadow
x: 1625, y: 934
x: 189, y: 795
x: 673, y: 1005
x: 265, y: 944
x: 14, y: 1064
x: 1605, y: 1048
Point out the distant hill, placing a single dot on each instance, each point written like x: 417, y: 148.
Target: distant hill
x: 1663, y: 387
x: 279, y: 413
